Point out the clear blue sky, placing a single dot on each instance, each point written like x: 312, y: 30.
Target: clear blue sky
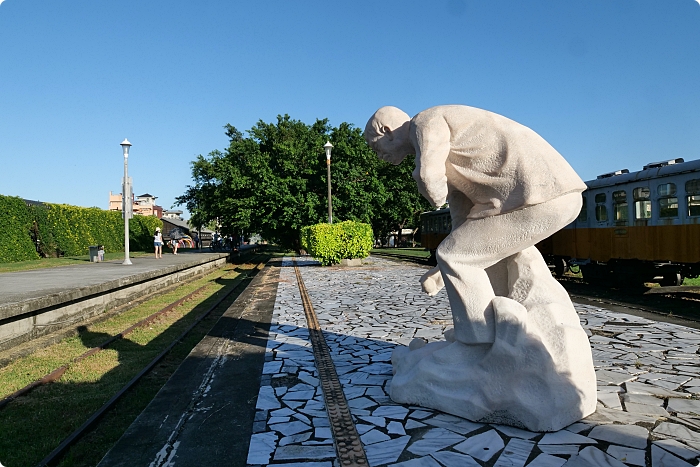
x: 610, y: 83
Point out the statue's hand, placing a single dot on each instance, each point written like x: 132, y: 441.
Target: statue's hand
x: 432, y: 281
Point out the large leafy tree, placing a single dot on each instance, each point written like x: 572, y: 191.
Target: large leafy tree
x: 273, y: 182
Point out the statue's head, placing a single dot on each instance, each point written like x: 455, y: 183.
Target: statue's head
x: 387, y: 132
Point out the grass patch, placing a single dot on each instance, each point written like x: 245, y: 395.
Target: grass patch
x: 417, y: 252
x: 65, y: 261
x: 35, y: 424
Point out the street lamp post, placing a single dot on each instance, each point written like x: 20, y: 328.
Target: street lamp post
x: 126, y: 197
x: 328, y: 146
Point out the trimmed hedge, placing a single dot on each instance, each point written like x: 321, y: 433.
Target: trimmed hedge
x: 329, y: 243
x: 16, y: 221
x: 67, y: 230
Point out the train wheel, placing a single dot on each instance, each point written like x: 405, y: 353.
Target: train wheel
x: 560, y: 266
x: 671, y: 279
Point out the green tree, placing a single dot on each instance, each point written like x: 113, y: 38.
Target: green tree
x: 273, y: 182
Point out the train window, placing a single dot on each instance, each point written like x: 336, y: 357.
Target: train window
x: 642, y: 204
x: 668, y: 207
x: 620, y: 207
x: 641, y: 193
x: 667, y: 189
x: 601, y: 213
x: 642, y: 209
x: 694, y: 205
x: 583, y: 215
x: 692, y: 187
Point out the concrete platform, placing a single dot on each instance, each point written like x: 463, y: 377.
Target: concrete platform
x: 648, y: 385
x: 34, y: 303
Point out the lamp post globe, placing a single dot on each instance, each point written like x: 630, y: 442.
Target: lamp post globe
x: 126, y: 197
x: 328, y: 146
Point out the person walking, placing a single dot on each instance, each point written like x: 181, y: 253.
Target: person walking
x: 158, y: 243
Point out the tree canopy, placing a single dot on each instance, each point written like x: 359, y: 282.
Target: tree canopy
x: 272, y: 181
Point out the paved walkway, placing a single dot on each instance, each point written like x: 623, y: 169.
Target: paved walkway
x: 648, y: 374
x: 27, y: 285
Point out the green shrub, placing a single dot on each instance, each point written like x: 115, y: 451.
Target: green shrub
x: 329, y: 243
x: 141, y: 231
x: 16, y: 241
x: 67, y: 230
x: 70, y: 230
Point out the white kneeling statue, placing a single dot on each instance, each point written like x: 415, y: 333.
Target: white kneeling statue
x: 517, y: 353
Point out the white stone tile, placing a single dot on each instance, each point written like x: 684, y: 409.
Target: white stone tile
x: 304, y: 453
x: 678, y: 448
x: 377, y: 421
x: 513, y: 432
x: 545, y: 460
x: 418, y: 462
x: 290, y: 428
x: 458, y: 425
x: 452, y: 459
x: 395, y: 428
x: 662, y: 458
x: 261, y: 447
x: 309, y: 464
x: 433, y: 441
x: 295, y: 439
x: 627, y: 455
x: 274, y: 420
x: 651, y: 410
x: 627, y: 435
x: 595, y: 457
x: 565, y: 437
x: 266, y: 399
x: 610, y: 399
x: 395, y: 412
x: 560, y: 449
x: 411, y: 424
x: 677, y: 431
x: 515, y: 454
x: 420, y: 414
x: 684, y: 406
x: 373, y: 436
x: 613, y: 377
x: 482, y: 446
x: 387, y: 451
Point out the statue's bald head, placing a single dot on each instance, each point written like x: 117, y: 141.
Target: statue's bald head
x: 387, y: 118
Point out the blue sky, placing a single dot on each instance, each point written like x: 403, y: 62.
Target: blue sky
x: 610, y: 83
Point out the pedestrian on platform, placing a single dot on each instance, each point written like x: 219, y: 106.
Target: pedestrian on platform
x: 158, y: 243
x: 174, y: 243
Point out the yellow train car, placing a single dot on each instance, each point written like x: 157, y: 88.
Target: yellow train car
x: 634, y: 227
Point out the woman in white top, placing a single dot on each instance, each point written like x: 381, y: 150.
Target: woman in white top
x: 158, y: 243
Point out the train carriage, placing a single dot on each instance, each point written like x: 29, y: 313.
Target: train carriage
x: 634, y: 227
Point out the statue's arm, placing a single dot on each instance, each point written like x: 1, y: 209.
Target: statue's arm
x: 431, y: 139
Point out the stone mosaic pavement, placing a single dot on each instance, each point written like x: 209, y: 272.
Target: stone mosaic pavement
x: 648, y: 384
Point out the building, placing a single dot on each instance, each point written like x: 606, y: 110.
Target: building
x: 171, y: 214
x: 144, y: 205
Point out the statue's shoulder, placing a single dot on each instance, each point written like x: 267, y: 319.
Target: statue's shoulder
x: 452, y: 112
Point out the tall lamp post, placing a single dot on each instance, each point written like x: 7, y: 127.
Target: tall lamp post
x: 126, y: 197
x: 328, y: 146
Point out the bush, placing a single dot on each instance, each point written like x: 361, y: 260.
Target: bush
x: 329, y: 243
x: 68, y: 230
x: 16, y: 241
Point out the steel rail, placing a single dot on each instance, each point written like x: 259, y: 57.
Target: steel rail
x: 60, y: 450
x: 347, y: 441
x: 56, y: 374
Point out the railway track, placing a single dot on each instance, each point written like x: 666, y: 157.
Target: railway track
x: 249, y: 269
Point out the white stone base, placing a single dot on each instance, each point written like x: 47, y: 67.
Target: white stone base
x: 351, y: 262
x: 538, y: 373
